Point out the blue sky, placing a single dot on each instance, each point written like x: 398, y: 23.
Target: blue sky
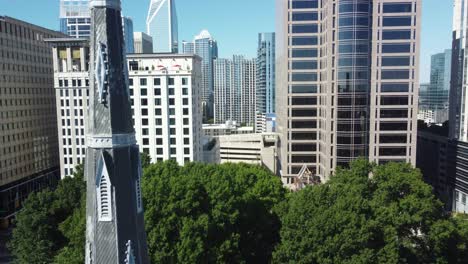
x: 235, y: 24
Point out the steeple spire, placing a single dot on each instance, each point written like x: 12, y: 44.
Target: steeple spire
x: 114, y: 215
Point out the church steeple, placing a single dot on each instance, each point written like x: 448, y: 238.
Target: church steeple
x: 114, y: 224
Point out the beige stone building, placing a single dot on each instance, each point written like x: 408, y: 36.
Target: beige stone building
x: 347, y: 83
x: 28, y: 135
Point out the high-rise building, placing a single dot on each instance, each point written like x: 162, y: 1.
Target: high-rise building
x: 143, y: 43
x: 71, y: 79
x: 127, y: 23
x: 115, y: 230
x: 29, y: 158
x: 207, y: 48
x: 162, y: 26
x: 346, y: 83
x: 265, y: 87
x: 156, y: 104
x: 75, y: 19
x: 234, y: 90
x: 165, y: 91
x: 458, y: 113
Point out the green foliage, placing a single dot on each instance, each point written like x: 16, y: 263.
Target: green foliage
x: 211, y: 213
x: 392, y: 217
x: 145, y: 159
x: 41, y: 230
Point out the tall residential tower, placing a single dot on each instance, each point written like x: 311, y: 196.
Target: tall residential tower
x: 161, y: 25
x: 75, y: 19
x: 207, y: 48
x: 115, y: 231
x: 347, y: 83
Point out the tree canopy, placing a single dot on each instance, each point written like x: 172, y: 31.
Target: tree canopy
x: 391, y: 217
x: 237, y: 213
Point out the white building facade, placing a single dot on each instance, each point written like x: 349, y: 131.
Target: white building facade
x: 164, y: 90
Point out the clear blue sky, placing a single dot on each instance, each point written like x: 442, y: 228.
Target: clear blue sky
x: 235, y: 24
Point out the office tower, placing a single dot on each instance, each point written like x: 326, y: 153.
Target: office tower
x: 207, y: 48
x: 75, y: 19
x: 143, y: 43
x: 353, y: 93
x: 165, y: 90
x: 440, y: 80
x: 115, y: 230
x: 127, y: 23
x: 188, y: 47
x: 28, y: 136
x: 161, y: 25
x: 234, y: 90
x: 71, y: 79
x: 265, y: 86
x: 71, y: 84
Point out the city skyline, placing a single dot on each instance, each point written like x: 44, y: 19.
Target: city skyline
x: 436, y: 34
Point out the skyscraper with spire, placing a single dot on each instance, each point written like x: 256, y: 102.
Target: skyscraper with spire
x: 162, y: 26
x: 115, y: 230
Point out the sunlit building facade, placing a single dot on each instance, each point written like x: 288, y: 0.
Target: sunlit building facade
x: 162, y: 26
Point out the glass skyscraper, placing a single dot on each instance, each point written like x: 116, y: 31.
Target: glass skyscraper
x: 207, y: 48
x: 162, y: 26
x: 347, y: 83
x: 75, y: 19
x: 265, y: 83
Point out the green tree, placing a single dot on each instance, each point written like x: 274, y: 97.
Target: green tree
x: 391, y: 217
x: 211, y: 213
x: 37, y: 237
x: 145, y: 159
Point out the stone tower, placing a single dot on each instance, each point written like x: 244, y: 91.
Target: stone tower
x: 115, y: 230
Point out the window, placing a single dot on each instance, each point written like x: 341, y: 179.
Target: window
x: 130, y: 81
x: 171, y: 81
x: 396, y: 48
x: 172, y: 141
x: 173, y: 151
x: 186, y: 131
x: 143, y: 82
x: 157, y: 101
x: 186, y: 121
x: 184, y: 81
x: 186, y: 151
x: 309, y: 28
x: 304, y: 124
x: 397, y: 21
x: 396, y: 61
x: 304, y: 65
x: 159, y: 151
x: 186, y: 141
x: 298, y: 89
x: 171, y: 101
x: 304, y: 112
x: 304, y: 4
x: 393, y: 139
x: 393, y: 113
x: 394, y: 151
x: 184, y: 91
x: 185, y: 101
x: 157, y: 81
x: 302, y: 41
x: 394, y: 100
x: 172, y: 131
x: 397, y: 8
x: 144, y: 101
x: 304, y: 53
x: 304, y: 77
x: 171, y: 121
x: 157, y: 91
x: 304, y: 16
x: 171, y: 91
x: 158, y: 121
x: 395, y: 74
x: 158, y: 131
x: 144, y: 92
x: 396, y: 34
x: 185, y: 111
x: 157, y: 111
x: 394, y: 87
x: 393, y: 126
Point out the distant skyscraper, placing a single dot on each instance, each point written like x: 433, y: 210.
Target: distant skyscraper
x: 75, y: 19
x: 234, y: 90
x: 438, y: 90
x: 28, y: 137
x: 207, y: 48
x: 265, y: 83
x: 346, y: 95
x: 127, y: 23
x: 265, y: 101
x: 458, y: 96
x: 143, y: 43
x: 162, y: 26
